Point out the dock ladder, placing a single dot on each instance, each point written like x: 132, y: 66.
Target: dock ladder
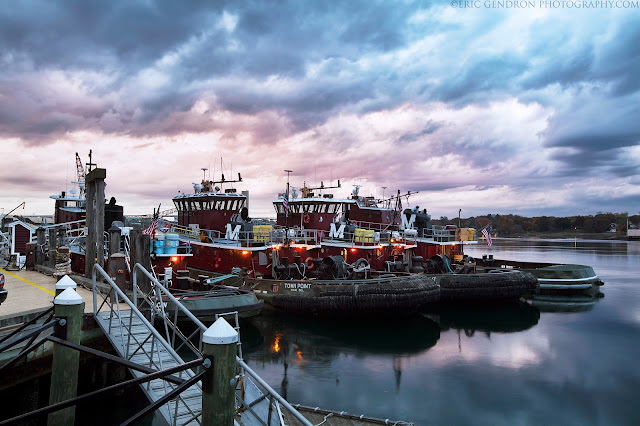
x: 129, y: 326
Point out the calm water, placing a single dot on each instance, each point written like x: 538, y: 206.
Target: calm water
x: 480, y: 365
x: 483, y: 365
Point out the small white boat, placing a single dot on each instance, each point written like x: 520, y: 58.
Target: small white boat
x: 553, y: 278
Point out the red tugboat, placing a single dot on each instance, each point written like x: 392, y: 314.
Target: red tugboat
x: 325, y: 254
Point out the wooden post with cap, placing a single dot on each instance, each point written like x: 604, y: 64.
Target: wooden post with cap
x: 94, y: 252
x: 68, y: 308
x: 218, y: 384
x: 65, y: 283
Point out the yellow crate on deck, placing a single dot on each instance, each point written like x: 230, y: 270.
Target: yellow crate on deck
x: 261, y: 232
x: 364, y: 235
x: 465, y: 234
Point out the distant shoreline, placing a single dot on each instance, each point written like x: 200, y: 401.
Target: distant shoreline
x: 607, y: 236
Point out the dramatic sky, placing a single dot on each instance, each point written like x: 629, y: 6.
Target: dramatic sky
x: 485, y: 107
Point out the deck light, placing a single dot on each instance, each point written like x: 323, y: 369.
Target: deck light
x: 174, y: 259
x: 245, y: 252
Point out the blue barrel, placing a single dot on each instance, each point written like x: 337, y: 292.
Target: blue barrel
x: 171, y: 243
x: 158, y: 243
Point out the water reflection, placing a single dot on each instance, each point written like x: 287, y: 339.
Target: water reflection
x: 556, y: 360
x: 565, y: 303
x: 303, y: 337
x: 502, y: 318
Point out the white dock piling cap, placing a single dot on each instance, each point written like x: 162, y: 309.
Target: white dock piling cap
x: 66, y: 282
x: 220, y: 333
x: 68, y: 297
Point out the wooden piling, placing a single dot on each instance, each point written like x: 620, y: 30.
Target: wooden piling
x: 116, y: 270
x: 115, y: 234
x: 52, y: 248
x: 40, y: 240
x: 61, y: 235
x: 141, y: 253
x: 218, y: 383
x: 94, y: 252
x: 64, y: 372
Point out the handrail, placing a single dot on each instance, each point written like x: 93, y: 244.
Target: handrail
x: 274, y: 394
x: 138, y: 268
x: 134, y: 309
x: 131, y: 341
x: 64, y: 224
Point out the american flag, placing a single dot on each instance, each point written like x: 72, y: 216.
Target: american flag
x: 152, y: 228
x: 285, y: 204
x: 487, y: 234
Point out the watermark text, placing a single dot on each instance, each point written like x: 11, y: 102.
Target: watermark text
x: 545, y: 4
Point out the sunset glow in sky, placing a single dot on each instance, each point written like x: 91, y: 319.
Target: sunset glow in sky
x: 531, y: 111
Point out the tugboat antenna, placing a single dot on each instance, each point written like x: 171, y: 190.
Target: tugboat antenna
x: 90, y: 163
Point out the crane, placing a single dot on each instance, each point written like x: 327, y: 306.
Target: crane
x: 81, y: 175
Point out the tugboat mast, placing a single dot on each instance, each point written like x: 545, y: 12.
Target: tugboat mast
x: 286, y: 210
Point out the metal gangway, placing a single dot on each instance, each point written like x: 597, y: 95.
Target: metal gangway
x: 129, y: 325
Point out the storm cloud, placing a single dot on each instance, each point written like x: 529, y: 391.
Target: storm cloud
x: 419, y: 96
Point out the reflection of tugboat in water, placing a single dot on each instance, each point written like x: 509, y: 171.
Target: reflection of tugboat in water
x: 496, y: 318
x: 324, y: 254
x: 310, y: 346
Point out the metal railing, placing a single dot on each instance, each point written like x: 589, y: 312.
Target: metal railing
x: 172, y: 332
x: 383, y: 234
x: 172, y: 339
x: 122, y: 321
x: 31, y: 331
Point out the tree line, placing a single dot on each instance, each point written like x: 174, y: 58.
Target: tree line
x: 513, y: 225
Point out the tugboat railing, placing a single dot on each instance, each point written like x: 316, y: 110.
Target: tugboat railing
x: 68, y: 225
x: 277, y: 234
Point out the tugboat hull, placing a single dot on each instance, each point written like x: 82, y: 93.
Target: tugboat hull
x: 491, y: 286
x: 404, y: 294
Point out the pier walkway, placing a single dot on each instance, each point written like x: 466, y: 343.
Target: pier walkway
x: 30, y: 292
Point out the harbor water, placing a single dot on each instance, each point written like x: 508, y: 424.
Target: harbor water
x: 570, y: 361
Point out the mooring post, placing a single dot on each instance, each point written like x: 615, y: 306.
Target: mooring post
x: 141, y: 253
x: 218, y: 384
x: 65, y: 283
x: 116, y: 269
x: 53, y: 248
x: 61, y: 237
x: 68, y: 308
x: 95, y: 219
x: 40, y: 240
x: 114, y: 240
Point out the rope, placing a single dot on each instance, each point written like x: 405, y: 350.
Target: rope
x: 325, y: 419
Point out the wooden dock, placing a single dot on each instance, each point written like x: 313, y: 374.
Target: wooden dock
x: 29, y: 293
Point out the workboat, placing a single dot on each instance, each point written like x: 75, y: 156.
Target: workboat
x: 204, y: 299
x: 325, y: 254
x: 552, y: 278
x: 214, y: 299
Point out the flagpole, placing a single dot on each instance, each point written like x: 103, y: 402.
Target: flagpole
x: 286, y: 213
